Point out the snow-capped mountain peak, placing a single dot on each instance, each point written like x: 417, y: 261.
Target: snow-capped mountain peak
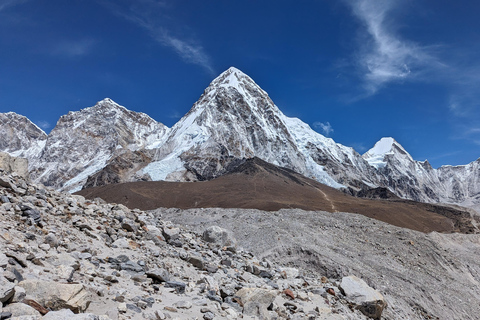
x: 20, y: 136
x: 384, y: 148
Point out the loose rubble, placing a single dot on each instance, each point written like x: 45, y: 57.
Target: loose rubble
x: 64, y: 257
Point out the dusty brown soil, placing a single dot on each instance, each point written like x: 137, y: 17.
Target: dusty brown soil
x: 259, y: 185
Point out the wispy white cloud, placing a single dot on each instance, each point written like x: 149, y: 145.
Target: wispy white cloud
x: 325, y: 127
x: 151, y: 16
x: 384, y: 57
x: 10, y: 3
x: 44, y: 124
x: 359, y: 147
x: 73, y: 48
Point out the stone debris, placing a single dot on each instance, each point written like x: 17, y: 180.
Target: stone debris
x: 65, y: 257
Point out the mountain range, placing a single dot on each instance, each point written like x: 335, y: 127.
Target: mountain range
x: 233, y: 120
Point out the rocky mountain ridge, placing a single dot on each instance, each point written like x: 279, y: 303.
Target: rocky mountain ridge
x: 233, y: 119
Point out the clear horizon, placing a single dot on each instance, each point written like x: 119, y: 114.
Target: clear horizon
x: 355, y: 71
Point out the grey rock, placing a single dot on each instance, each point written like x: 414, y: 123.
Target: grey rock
x: 368, y: 300
x: 219, y: 236
x: 131, y: 266
x: 19, y: 295
x: 208, y: 315
x: 133, y: 308
x: 58, y: 295
x: 178, y: 286
x: 52, y: 240
x: 182, y: 304
x: 171, y: 233
x: 129, y: 225
x: 255, y: 301
x: 3, y: 260
x: 32, y: 214
x: 197, y: 261
x: 5, y: 315
x: 21, y: 309
x: 160, y: 275
x: 7, y: 289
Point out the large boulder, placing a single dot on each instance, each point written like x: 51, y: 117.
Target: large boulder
x: 21, y: 309
x: 219, y: 236
x: 57, y: 296
x: 13, y: 164
x: 368, y: 300
x: 255, y: 301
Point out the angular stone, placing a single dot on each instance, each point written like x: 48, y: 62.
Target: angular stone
x: 219, y: 236
x: 131, y: 266
x: 129, y: 225
x: 3, y: 260
x: 171, y: 233
x: 289, y: 273
x: 255, y: 301
x: 57, y: 296
x: 7, y: 289
x: 21, y: 309
x: 179, y: 286
x: 32, y: 214
x: 368, y: 300
x: 160, y: 275
x: 196, y: 261
x: 183, y: 304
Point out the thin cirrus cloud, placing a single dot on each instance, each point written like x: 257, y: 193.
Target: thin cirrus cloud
x: 384, y: 57
x: 147, y: 14
x: 325, y: 127
x: 44, y: 124
x: 9, y: 3
x: 73, y: 48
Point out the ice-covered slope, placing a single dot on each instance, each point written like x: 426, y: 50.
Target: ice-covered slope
x: 234, y: 119
x: 84, y: 141
x: 20, y: 137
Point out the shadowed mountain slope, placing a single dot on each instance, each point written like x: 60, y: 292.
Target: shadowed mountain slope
x: 257, y: 184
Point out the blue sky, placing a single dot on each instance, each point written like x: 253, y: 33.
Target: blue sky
x: 355, y: 71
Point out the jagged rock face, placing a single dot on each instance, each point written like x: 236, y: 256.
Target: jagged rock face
x: 121, y: 168
x: 20, y: 137
x: 461, y: 184
x: 83, y: 142
x: 417, y: 180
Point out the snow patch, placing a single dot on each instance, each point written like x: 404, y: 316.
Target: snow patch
x: 159, y: 170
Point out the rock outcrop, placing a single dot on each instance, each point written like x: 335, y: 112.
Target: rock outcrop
x: 14, y: 165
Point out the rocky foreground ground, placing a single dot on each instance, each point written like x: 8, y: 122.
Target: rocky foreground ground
x: 421, y: 275
x: 64, y: 257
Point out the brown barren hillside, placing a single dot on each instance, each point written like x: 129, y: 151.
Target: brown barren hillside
x: 256, y: 184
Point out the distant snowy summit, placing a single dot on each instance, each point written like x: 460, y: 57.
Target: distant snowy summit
x: 233, y: 119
